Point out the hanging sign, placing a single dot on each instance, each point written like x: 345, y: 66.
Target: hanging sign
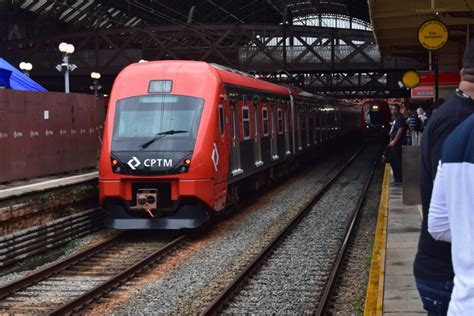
x: 433, y: 35
x: 422, y: 92
x: 411, y: 79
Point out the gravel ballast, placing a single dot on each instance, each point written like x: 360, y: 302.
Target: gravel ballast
x: 188, y: 280
x: 80, y: 277
x: 292, y: 279
x: 39, y: 262
x: 350, y: 290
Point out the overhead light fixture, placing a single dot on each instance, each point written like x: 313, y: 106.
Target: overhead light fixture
x: 63, y: 47
x: 70, y: 49
x: 66, y: 49
x: 95, y: 75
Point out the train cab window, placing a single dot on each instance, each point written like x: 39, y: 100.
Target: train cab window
x: 246, y: 122
x: 280, y: 121
x: 221, y: 119
x: 139, y: 119
x: 265, y: 121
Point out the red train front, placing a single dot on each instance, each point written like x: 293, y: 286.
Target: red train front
x: 156, y: 156
x: 376, y: 118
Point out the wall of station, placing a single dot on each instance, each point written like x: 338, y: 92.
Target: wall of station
x: 43, y: 133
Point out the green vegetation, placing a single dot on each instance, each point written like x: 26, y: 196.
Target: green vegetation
x: 33, y: 263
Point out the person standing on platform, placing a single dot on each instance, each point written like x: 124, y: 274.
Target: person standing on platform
x: 423, y: 117
x: 397, y: 139
x: 451, y: 214
x: 433, y: 269
x: 414, y: 127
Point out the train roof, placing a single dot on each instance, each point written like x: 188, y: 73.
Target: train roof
x: 225, y: 74
x: 199, y: 71
x: 242, y: 79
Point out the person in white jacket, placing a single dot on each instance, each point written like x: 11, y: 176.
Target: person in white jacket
x: 451, y: 213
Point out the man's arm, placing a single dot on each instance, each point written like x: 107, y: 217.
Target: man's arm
x: 397, y: 137
x: 438, y: 219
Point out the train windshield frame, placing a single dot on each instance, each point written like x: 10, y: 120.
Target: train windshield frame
x: 141, y: 118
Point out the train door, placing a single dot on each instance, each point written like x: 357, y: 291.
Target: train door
x: 293, y: 123
x: 221, y: 165
x: 235, y: 146
x: 274, y: 134
x: 257, y: 145
x: 306, y: 114
x: 298, y: 129
x: 287, y: 129
x: 324, y: 124
x: 315, y: 126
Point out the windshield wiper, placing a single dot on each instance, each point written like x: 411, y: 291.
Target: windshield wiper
x: 159, y: 136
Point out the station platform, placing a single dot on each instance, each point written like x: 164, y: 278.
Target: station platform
x: 37, y: 185
x: 392, y: 289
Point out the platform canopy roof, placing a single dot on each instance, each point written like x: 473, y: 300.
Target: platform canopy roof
x: 101, y: 14
x: 396, y: 22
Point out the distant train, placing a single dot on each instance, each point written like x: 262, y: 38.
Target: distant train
x: 376, y: 118
x: 186, y: 139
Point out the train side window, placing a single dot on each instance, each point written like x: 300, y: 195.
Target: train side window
x: 280, y: 121
x: 234, y: 126
x: 265, y: 121
x: 246, y: 122
x: 221, y: 119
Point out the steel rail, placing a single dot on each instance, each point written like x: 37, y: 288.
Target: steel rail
x: 328, y: 289
x: 11, y: 288
x: 227, y: 292
x: 86, y: 298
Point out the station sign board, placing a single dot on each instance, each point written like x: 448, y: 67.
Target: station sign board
x: 451, y: 78
x: 422, y: 92
x: 433, y: 35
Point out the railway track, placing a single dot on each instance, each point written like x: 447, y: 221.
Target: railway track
x: 229, y: 293
x: 75, y: 282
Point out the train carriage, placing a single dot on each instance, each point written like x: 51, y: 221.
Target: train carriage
x: 186, y: 139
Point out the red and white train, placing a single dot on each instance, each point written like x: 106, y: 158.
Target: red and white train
x: 186, y: 139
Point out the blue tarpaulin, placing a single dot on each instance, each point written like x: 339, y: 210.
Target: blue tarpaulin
x: 14, y: 79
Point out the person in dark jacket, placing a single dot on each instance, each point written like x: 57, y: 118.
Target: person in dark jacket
x: 397, y: 139
x: 433, y: 268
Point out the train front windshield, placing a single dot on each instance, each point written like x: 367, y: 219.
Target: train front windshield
x: 377, y: 118
x: 138, y: 119
x: 373, y: 117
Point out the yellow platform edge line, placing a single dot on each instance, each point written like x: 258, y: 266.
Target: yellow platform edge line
x: 375, y: 286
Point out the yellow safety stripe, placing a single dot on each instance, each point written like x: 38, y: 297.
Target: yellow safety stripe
x: 375, y: 287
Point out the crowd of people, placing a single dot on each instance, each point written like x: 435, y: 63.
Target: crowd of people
x: 407, y: 126
x: 444, y: 263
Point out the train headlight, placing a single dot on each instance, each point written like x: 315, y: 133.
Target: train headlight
x: 142, y: 200
x: 116, y: 168
x: 150, y: 199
